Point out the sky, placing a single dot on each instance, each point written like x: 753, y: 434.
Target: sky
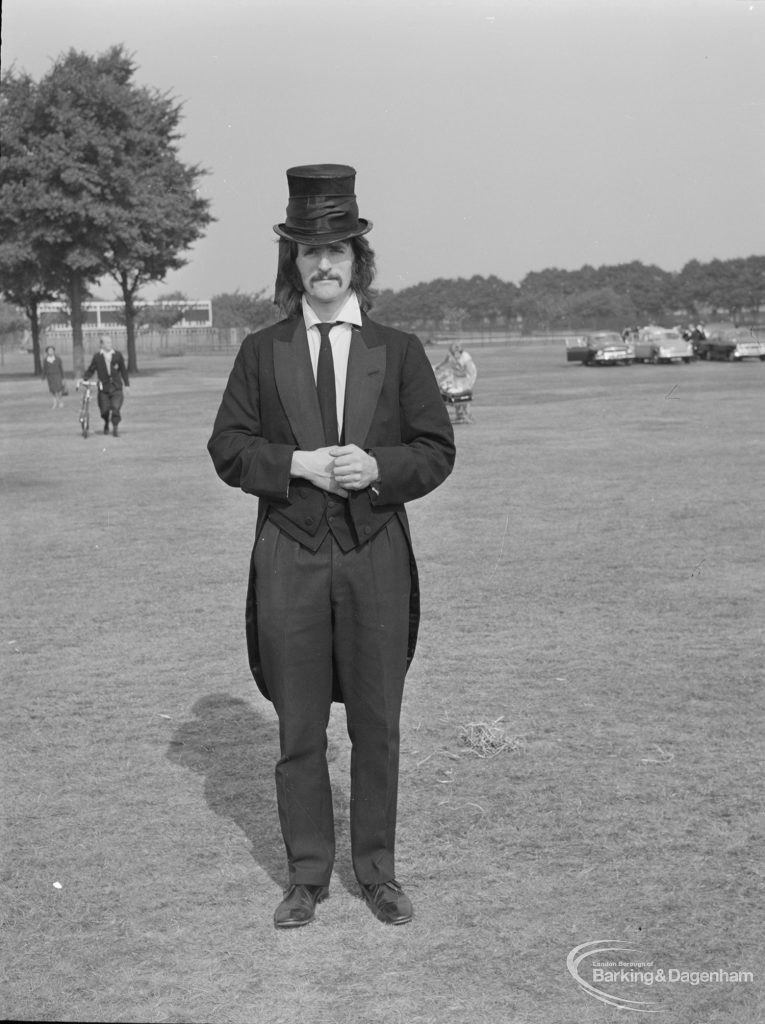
x: 499, y: 137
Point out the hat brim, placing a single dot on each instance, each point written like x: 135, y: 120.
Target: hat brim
x: 323, y: 238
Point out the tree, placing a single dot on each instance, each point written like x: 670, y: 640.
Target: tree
x: 236, y: 309
x: 733, y: 289
x: 748, y: 291
x: 101, y: 182
x: 737, y: 286
x: 157, y: 212
x: 23, y: 286
x: 27, y: 277
x: 66, y: 208
x: 158, y: 316
x: 12, y: 326
x: 598, y: 307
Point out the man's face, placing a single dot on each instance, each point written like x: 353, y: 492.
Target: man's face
x: 326, y: 272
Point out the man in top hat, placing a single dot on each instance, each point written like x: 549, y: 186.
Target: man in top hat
x: 109, y: 364
x: 333, y: 422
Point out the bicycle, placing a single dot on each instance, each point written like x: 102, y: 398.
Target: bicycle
x: 87, y: 389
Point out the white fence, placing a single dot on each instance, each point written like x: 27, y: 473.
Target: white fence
x: 172, y: 342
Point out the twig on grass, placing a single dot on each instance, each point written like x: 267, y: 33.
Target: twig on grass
x: 664, y: 757
x: 470, y: 803
x: 501, y: 548
x: 445, y: 753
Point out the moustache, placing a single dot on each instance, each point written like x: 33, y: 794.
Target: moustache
x: 316, y: 278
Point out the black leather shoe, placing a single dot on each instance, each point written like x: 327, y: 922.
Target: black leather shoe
x: 299, y: 905
x: 388, y: 902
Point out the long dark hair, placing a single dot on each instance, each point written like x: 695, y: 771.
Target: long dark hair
x: 288, y: 292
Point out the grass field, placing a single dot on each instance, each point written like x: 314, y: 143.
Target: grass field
x: 592, y: 580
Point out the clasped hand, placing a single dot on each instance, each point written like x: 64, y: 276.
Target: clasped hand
x: 337, y: 468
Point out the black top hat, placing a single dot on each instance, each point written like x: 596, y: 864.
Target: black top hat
x: 322, y: 206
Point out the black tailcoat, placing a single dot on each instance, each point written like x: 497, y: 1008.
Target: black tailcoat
x: 270, y: 407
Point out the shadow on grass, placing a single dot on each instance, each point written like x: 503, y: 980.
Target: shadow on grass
x: 236, y: 750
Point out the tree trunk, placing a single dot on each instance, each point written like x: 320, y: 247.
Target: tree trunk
x: 131, y: 352
x: 75, y: 301
x: 34, y: 325
x: 128, y: 297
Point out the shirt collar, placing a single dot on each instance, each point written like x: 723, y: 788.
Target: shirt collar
x: 349, y: 312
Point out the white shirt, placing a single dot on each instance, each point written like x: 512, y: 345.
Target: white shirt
x: 349, y: 316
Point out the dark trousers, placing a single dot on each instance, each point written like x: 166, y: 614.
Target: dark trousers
x: 110, y: 402
x: 350, y: 611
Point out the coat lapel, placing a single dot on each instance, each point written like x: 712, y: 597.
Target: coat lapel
x: 297, y: 388
x: 366, y: 373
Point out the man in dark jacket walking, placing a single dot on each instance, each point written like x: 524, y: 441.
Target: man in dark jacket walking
x: 333, y: 422
x: 109, y: 364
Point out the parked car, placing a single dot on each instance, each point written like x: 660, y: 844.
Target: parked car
x: 662, y: 345
x: 735, y: 344
x: 576, y: 349
x: 607, y: 348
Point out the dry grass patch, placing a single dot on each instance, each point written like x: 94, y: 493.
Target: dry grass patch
x: 487, y: 739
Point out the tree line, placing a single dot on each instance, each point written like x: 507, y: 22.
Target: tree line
x: 606, y: 298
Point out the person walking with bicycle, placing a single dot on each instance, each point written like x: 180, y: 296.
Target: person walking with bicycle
x: 109, y: 364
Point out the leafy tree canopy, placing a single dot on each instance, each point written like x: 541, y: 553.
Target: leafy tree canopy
x: 238, y: 309
x: 599, y: 297
x: 91, y: 183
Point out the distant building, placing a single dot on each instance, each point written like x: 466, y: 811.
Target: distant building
x: 98, y: 316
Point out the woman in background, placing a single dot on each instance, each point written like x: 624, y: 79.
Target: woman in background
x: 53, y: 372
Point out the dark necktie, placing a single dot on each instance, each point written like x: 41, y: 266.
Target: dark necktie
x: 325, y: 385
